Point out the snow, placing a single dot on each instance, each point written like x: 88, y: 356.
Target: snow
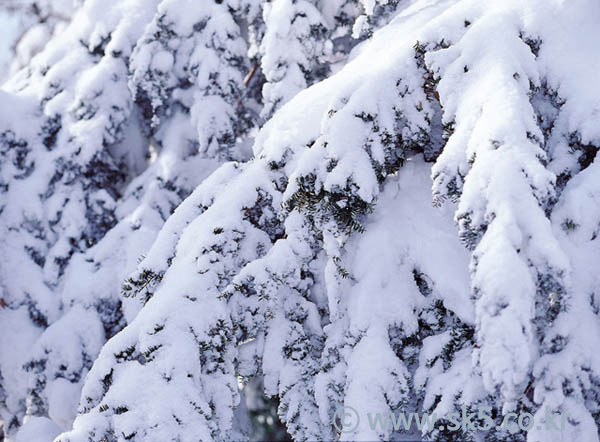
x: 292, y: 51
x: 414, y: 230
x: 382, y: 292
x: 38, y: 429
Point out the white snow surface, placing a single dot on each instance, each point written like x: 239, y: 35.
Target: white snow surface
x: 460, y: 130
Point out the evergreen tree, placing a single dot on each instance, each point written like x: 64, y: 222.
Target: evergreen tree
x: 36, y: 23
x: 291, y: 27
x: 297, y: 266
x: 96, y: 112
x: 68, y: 163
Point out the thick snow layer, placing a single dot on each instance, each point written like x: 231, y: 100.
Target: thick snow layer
x: 319, y: 269
x: 38, y: 429
x: 382, y: 292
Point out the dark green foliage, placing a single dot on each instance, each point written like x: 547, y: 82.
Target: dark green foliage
x: 145, y: 282
x: 50, y: 131
x: 342, y: 206
x: 470, y: 234
x: 111, y: 314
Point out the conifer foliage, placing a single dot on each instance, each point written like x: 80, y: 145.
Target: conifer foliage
x: 226, y: 219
